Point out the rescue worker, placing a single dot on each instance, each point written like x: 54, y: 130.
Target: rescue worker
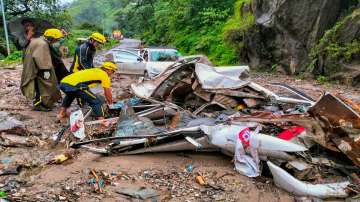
x: 38, y: 79
x: 57, y: 60
x: 78, y: 84
x: 84, y: 54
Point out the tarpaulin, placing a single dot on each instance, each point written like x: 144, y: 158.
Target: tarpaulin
x: 221, y: 77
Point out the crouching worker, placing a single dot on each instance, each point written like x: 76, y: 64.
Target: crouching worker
x: 78, y: 84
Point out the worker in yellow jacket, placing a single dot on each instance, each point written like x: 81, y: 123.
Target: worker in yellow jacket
x: 78, y: 84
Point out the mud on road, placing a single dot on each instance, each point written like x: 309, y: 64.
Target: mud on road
x: 165, y: 173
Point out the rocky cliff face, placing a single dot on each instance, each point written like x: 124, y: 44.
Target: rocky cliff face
x: 286, y: 31
x: 337, y: 55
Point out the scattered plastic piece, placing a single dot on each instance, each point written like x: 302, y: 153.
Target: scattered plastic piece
x: 61, y: 158
x: 121, y: 104
x: 77, y: 124
x: 291, y: 133
x: 189, y: 168
x: 289, y: 183
x: 200, y: 180
x: 236, y: 138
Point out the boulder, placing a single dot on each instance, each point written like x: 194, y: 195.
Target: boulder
x: 286, y: 31
x: 338, y: 53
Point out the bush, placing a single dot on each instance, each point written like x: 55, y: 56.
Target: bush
x: 88, y: 26
x: 334, y: 50
x: 14, y: 57
x: 110, y: 43
x: 321, y: 79
x: 196, y: 27
x: 72, y: 40
x: 239, y: 24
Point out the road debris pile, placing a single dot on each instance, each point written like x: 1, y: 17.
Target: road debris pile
x: 210, y: 186
x: 196, y: 87
x: 13, y: 133
x: 311, y: 148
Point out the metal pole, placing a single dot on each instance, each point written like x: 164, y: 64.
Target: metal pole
x: 103, y: 22
x: 5, y: 27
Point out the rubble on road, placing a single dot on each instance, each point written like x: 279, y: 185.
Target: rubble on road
x: 11, y: 170
x: 10, y: 125
x: 181, y: 183
x: 13, y: 133
x: 343, y: 125
x: 311, y: 148
x: 20, y: 141
x: 142, y: 193
x: 188, y: 87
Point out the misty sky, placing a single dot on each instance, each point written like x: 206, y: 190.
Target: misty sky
x: 66, y: 1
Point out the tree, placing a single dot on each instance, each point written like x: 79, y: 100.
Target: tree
x: 46, y: 9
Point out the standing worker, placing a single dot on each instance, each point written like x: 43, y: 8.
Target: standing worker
x: 84, y: 54
x: 78, y: 84
x: 38, y: 78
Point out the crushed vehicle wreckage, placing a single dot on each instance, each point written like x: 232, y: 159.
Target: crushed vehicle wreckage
x: 311, y: 148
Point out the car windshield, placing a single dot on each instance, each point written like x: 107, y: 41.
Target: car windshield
x: 164, y: 55
x: 122, y: 56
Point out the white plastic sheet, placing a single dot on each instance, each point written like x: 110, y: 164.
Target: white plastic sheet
x: 289, y: 183
x: 77, y: 124
x: 245, y: 164
x: 143, y: 90
x: 221, y: 77
x: 224, y: 136
x: 228, y: 137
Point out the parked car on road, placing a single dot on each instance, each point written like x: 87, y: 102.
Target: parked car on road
x: 148, y: 62
x: 158, y: 59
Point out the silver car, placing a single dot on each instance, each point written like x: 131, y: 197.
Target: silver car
x: 148, y: 62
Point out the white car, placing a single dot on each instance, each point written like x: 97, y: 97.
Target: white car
x: 148, y: 62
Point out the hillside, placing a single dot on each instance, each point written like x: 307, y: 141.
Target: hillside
x: 101, y: 14
x: 318, y: 37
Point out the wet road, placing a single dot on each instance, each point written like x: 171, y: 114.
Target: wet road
x: 129, y: 43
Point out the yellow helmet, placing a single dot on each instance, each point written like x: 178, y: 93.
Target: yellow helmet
x: 54, y: 33
x: 110, y: 66
x: 98, y: 37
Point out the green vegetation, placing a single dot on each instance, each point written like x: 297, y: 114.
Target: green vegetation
x: 96, y: 15
x: 50, y: 10
x: 13, y: 57
x: 321, y: 79
x: 110, y: 43
x: 334, y: 48
x: 192, y: 26
x: 77, y: 36
x: 237, y: 26
x: 72, y: 40
x: 195, y: 27
x: 92, y: 16
x: 3, y: 194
